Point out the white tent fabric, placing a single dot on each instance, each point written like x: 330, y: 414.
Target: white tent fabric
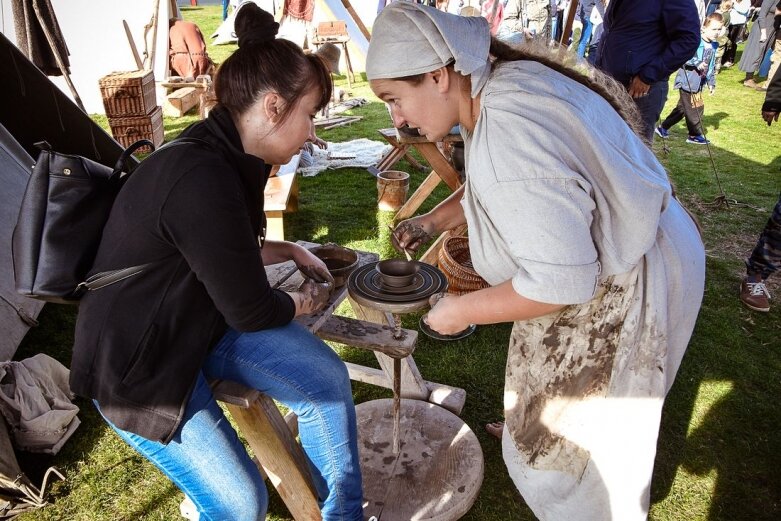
x: 225, y: 33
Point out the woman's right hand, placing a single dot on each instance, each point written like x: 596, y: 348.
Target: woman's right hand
x: 312, y: 296
x: 412, y: 233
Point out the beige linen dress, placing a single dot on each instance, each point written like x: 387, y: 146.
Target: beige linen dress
x: 564, y: 200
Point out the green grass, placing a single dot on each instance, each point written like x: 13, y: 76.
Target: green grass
x: 718, y: 451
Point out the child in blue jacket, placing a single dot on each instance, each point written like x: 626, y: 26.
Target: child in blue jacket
x: 690, y: 80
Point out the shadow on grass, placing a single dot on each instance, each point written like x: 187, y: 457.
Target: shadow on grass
x: 718, y: 424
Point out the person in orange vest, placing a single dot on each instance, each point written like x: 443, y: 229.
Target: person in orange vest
x: 187, y: 52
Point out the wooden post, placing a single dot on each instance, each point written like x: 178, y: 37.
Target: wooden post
x: 357, y: 19
x: 573, y: 6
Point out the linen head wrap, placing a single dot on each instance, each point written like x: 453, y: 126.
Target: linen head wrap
x: 409, y: 39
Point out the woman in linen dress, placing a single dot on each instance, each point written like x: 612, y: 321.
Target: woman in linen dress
x: 573, y: 222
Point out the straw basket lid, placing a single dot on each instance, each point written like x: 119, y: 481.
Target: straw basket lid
x: 330, y: 54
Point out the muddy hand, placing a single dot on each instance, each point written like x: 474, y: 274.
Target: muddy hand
x: 312, y: 266
x: 317, y: 272
x: 313, y: 296
x: 412, y: 233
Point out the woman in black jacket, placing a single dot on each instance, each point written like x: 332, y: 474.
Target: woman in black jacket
x: 204, y: 309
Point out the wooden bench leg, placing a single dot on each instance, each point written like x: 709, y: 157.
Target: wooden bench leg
x: 275, y: 229
x: 279, y: 454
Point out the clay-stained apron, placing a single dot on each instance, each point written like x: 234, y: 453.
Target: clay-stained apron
x: 556, y: 362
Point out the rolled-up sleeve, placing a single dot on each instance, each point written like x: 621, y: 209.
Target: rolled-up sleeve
x: 545, y: 224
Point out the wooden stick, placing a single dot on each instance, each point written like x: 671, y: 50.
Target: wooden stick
x: 568, y: 24
x: 396, y: 405
x: 133, y: 49
x: 357, y: 19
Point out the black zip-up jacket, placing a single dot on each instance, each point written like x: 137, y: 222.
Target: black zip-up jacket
x: 196, y: 211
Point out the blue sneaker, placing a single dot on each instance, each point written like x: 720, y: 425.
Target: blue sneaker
x: 697, y: 140
x: 662, y: 132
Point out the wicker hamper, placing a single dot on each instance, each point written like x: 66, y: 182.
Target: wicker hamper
x: 130, y: 129
x: 456, y: 263
x: 128, y: 93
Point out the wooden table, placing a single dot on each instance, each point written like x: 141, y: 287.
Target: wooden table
x: 442, y: 170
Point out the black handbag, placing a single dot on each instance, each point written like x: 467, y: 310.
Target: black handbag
x: 65, y: 207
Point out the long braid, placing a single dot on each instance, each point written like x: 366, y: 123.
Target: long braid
x: 558, y: 59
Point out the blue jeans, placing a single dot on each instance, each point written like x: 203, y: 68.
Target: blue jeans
x: 206, y: 459
x: 585, y: 36
x: 651, y: 106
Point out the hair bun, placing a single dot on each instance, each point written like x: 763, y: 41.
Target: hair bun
x: 253, y: 25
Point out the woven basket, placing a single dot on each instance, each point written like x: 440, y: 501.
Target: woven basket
x: 129, y: 130
x: 456, y: 263
x: 128, y: 93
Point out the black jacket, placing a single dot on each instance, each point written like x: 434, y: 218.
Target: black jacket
x: 196, y: 211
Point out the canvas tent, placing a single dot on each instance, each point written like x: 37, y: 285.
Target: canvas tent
x: 95, y: 36
x: 33, y: 109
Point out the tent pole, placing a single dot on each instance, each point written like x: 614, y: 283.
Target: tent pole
x: 357, y: 19
x: 58, y: 57
x: 568, y: 24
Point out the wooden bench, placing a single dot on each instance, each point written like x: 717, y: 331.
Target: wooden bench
x: 280, y: 197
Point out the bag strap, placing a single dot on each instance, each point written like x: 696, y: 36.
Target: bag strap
x: 107, y: 278
x: 119, y: 167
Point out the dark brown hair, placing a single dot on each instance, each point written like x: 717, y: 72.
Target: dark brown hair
x: 264, y: 63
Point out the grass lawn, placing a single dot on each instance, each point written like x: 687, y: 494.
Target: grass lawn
x: 719, y: 449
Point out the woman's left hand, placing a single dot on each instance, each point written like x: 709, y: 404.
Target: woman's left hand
x: 311, y: 266
x: 444, y: 316
x: 319, y: 143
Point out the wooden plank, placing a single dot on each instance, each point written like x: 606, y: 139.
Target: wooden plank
x: 279, y: 454
x: 412, y: 139
x: 412, y: 384
x: 450, y: 398
x: 180, y: 101
x: 275, y: 226
x: 368, y: 335
x: 440, y: 165
x: 234, y: 393
x: 416, y: 199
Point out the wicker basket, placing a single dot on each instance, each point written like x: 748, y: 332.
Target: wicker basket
x: 129, y: 130
x: 456, y: 263
x: 128, y: 93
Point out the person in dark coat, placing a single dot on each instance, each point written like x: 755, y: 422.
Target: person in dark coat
x: 146, y: 347
x: 760, y: 39
x: 765, y: 258
x: 642, y: 44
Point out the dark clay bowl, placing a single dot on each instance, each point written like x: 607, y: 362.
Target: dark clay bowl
x: 397, y: 273
x: 339, y: 260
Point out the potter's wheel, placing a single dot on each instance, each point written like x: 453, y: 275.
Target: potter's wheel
x: 365, y: 286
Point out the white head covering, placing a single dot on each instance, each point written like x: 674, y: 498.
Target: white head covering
x: 409, y: 39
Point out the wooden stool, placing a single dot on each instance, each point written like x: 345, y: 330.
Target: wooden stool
x: 274, y: 445
x: 395, y: 154
x: 435, y: 476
